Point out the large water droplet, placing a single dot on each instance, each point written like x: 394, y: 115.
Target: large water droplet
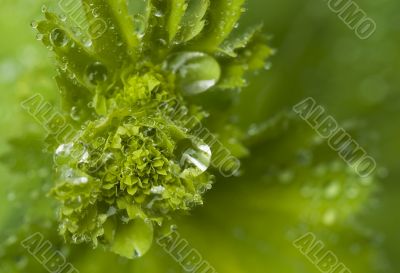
x: 96, y: 73
x: 73, y: 177
x: 58, y: 37
x: 133, y: 240
x: 63, y: 153
x: 195, y: 157
x: 196, y: 72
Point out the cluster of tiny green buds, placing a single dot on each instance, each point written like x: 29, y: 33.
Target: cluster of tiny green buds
x: 129, y: 168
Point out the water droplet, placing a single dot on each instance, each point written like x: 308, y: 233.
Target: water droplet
x: 34, y: 24
x: 133, y: 239
x: 39, y: 36
x: 140, y: 25
x: 157, y: 190
x: 195, y: 157
x: 62, y: 154
x: 75, y: 113
x: 96, y: 73
x: 95, y: 12
x: 44, y: 8
x: 72, y: 176
x: 196, y: 72
x: 158, y: 13
x: 63, y: 17
x: 58, y: 37
x: 87, y: 42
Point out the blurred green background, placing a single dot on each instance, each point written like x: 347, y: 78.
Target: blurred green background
x: 247, y: 224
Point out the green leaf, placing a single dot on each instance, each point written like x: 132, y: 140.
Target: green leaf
x: 117, y: 43
x: 222, y: 17
x: 177, y: 10
x: 193, y: 22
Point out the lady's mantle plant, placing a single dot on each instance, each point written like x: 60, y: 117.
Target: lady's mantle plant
x: 132, y: 163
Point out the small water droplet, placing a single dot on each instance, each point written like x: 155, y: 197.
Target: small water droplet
x: 44, y: 8
x: 96, y: 73
x: 196, y: 72
x: 39, y: 36
x: 75, y: 113
x: 63, y: 17
x: 157, y: 190
x: 34, y: 24
x: 195, y: 157
x: 62, y: 154
x: 58, y: 37
x: 159, y: 13
x: 95, y: 12
x: 87, y: 42
x: 140, y: 25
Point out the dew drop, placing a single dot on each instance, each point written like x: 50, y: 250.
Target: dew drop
x: 196, y: 72
x: 133, y: 239
x: 63, y: 17
x: 87, y: 43
x: 95, y: 12
x: 195, y: 157
x: 62, y: 154
x: 158, y: 13
x: 157, y: 190
x: 39, y: 37
x: 44, y: 8
x: 34, y: 24
x: 140, y: 25
x: 96, y: 73
x: 58, y: 37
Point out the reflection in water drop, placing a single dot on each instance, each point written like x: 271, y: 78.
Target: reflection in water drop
x: 96, y: 73
x: 196, y: 72
x: 134, y: 239
x: 58, y: 37
x: 195, y: 157
x: 62, y: 154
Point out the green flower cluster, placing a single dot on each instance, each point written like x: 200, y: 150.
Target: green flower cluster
x: 130, y: 167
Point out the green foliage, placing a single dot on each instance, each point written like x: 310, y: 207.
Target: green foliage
x: 127, y: 163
